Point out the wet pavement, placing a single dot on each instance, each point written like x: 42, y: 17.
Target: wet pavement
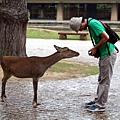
x: 60, y: 99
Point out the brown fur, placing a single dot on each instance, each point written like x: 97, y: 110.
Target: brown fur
x: 31, y: 67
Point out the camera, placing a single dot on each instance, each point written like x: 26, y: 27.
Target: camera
x: 89, y: 52
x: 96, y: 55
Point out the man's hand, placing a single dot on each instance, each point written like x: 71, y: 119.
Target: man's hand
x: 93, y: 51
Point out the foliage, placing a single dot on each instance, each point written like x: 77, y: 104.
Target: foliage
x: 103, y: 6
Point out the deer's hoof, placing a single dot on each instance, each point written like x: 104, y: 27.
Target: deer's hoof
x: 2, y: 100
x: 34, y: 104
x: 3, y: 96
x: 38, y: 104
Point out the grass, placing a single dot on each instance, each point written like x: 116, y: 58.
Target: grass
x: 41, y: 33
x: 48, y: 34
x: 83, y: 69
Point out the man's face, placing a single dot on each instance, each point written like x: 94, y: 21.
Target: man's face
x: 83, y: 26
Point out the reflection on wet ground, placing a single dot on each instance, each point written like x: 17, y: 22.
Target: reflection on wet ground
x: 59, y: 99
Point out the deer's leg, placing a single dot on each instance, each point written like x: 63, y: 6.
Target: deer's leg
x: 35, y: 87
x: 4, y: 80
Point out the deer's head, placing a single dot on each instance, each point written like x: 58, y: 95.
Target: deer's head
x: 66, y: 52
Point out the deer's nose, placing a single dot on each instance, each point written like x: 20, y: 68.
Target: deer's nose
x: 77, y: 54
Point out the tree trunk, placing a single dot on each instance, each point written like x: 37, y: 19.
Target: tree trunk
x: 13, y: 25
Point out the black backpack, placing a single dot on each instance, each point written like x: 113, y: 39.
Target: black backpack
x: 113, y: 37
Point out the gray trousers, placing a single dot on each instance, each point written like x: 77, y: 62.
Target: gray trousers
x: 106, y: 66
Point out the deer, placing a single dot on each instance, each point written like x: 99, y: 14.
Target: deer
x: 31, y: 67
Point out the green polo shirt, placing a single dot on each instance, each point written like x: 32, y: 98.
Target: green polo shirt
x: 96, y: 28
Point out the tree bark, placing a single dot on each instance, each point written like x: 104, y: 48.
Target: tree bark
x: 13, y: 26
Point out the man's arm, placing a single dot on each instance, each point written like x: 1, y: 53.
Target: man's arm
x: 104, y: 37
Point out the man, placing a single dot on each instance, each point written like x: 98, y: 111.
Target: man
x: 106, y: 60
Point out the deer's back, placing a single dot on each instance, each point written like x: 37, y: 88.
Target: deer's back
x: 22, y: 66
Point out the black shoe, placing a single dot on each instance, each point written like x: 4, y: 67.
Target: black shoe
x: 95, y: 108
x: 89, y: 104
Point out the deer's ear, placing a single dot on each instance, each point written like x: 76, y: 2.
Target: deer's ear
x: 57, y: 48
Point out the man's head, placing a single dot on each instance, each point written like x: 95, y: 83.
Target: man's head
x: 78, y: 24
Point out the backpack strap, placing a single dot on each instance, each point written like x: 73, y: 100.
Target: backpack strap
x: 90, y: 33
x: 108, y: 48
x: 117, y: 49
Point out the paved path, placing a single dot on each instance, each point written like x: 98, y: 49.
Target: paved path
x: 60, y: 99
